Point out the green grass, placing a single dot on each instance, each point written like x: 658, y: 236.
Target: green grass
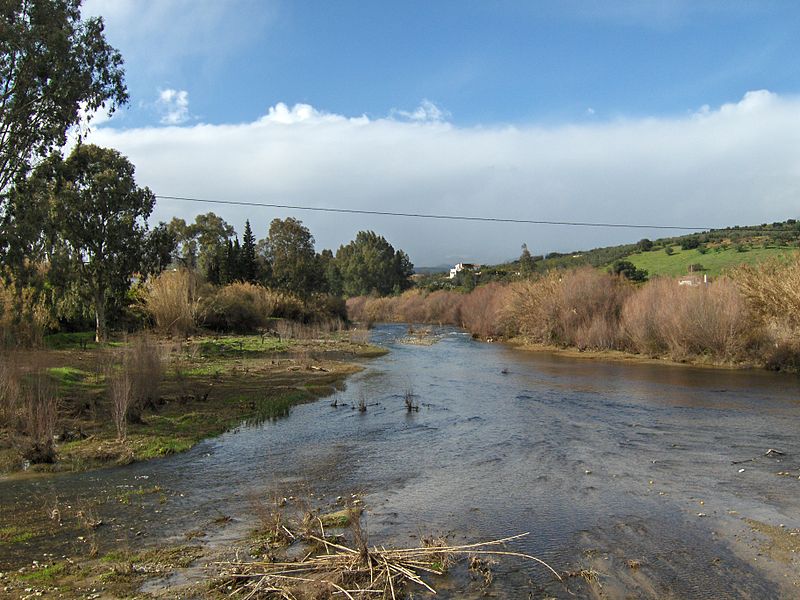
x: 45, y: 574
x: 127, y: 496
x: 658, y: 262
x: 75, y: 341
x: 240, y: 346
x: 14, y: 535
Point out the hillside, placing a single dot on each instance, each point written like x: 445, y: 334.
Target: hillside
x: 711, y: 252
x: 713, y: 262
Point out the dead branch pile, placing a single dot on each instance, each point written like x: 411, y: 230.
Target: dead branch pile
x: 356, y: 574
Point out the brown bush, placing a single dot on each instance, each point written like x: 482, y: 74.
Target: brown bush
x: 772, y: 291
x: 143, y: 367
x: 644, y: 316
x: 710, y: 320
x: 9, y: 391
x: 40, y: 417
x: 171, y: 301
x: 573, y: 308
x: 241, y: 307
x: 482, y: 311
x: 24, y: 316
x: 120, y: 386
x: 690, y: 321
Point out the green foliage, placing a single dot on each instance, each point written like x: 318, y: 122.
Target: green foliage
x: 644, y: 245
x: 290, y: 252
x: 527, y: 264
x: 248, y: 266
x: 668, y: 250
x: 99, y: 216
x: 370, y: 264
x: 52, y: 65
x: 628, y: 270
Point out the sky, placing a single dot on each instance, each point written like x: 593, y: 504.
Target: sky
x: 678, y: 112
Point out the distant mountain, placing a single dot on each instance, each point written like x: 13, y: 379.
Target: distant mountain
x: 433, y: 270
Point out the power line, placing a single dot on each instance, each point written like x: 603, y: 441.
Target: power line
x: 356, y: 211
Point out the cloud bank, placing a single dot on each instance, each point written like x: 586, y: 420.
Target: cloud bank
x: 734, y: 164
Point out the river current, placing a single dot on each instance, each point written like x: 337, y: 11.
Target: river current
x: 643, y: 475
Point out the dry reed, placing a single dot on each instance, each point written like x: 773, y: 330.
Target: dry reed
x: 41, y: 415
x: 359, y: 572
x: 171, y: 301
x: 120, y: 394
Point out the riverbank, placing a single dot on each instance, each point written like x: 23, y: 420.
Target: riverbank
x: 208, y: 386
x: 622, y: 356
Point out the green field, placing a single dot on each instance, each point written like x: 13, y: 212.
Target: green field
x: 658, y: 262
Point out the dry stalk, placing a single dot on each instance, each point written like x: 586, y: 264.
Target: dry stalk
x: 358, y: 573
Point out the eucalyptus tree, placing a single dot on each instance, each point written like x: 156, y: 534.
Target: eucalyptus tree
x: 54, y: 66
x: 99, y: 217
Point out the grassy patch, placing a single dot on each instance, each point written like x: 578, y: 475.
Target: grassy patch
x: 241, y: 346
x: 128, y: 495
x: 80, y: 340
x: 46, y: 574
x: 14, y: 535
x: 658, y: 262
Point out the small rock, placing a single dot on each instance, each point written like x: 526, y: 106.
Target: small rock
x: 588, y: 471
x: 741, y: 470
x: 702, y: 515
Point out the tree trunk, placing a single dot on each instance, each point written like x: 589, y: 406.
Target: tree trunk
x: 100, y: 318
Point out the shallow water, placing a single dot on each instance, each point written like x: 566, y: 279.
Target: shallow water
x: 602, y: 462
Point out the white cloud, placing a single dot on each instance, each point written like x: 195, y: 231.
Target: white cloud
x: 426, y: 112
x: 173, y: 106
x: 734, y: 164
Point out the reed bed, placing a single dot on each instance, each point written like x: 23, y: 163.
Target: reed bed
x: 359, y: 573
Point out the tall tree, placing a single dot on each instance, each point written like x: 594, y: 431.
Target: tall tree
x: 527, y: 264
x: 100, y: 216
x: 248, y: 265
x: 53, y: 65
x: 371, y: 264
x: 211, y: 233
x: 290, y: 251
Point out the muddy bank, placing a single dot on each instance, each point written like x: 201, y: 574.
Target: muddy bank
x: 206, y: 386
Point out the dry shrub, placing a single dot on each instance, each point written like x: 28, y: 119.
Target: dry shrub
x: 120, y: 385
x: 709, y: 320
x: 574, y: 308
x: 482, y: 310
x: 534, y: 308
x: 24, y: 316
x: 240, y: 307
x: 689, y: 321
x: 643, y: 316
x: 171, y: 301
x: 9, y: 391
x: 294, y: 330
x: 143, y: 366
x: 40, y: 400
x: 772, y: 290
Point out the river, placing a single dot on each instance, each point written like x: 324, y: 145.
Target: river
x: 633, y: 470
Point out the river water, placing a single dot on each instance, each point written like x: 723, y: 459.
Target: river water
x: 632, y: 470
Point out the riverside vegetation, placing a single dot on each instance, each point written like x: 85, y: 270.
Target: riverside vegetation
x: 74, y: 404
x: 748, y: 317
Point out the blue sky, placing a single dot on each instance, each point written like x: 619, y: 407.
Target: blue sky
x: 663, y: 112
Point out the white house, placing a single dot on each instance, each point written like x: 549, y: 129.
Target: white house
x: 461, y: 267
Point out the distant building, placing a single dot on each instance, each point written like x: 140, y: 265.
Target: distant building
x: 693, y: 280
x: 463, y: 267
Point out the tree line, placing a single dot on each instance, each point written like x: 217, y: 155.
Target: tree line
x: 74, y: 233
